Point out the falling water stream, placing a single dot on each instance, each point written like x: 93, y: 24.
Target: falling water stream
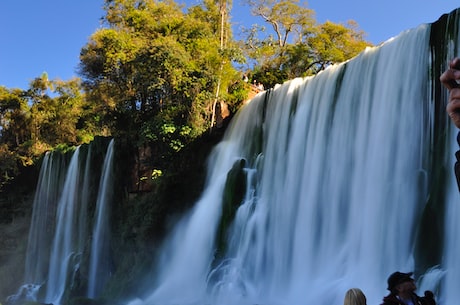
x: 59, y: 230
x: 47, y: 193
x: 65, y: 250
x: 99, y: 268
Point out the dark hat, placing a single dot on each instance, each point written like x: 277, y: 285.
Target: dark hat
x: 397, y: 278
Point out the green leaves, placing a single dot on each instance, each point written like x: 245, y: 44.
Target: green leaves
x: 155, y: 60
x: 296, y: 45
x: 336, y: 43
x: 155, y: 73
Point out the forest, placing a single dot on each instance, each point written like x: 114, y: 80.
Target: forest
x: 163, y: 79
x: 157, y: 73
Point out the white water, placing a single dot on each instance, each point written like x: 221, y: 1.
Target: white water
x: 99, y: 268
x: 59, y: 229
x: 335, y: 195
x: 47, y: 194
x: 65, y: 251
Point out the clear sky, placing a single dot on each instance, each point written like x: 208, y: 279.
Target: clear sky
x: 46, y: 35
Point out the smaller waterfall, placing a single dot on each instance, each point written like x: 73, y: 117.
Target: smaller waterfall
x: 71, y: 188
x: 47, y: 194
x: 64, y: 250
x: 99, y: 267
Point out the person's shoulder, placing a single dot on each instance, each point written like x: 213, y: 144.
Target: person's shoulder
x: 390, y: 300
x: 428, y: 298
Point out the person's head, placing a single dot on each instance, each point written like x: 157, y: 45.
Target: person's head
x: 402, y: 284
x: 354, y: 296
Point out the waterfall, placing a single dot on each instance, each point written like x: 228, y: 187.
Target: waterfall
x: 65, y: 252
x: 100, y: 249
x: 72, y: 227
x: 47, y: 194
x: 71, y: 188
x: 340, y: 175
x: 321, y: 184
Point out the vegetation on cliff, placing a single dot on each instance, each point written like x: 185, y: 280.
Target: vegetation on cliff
x: 156, y: 73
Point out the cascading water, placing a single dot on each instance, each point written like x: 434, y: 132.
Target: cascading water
x: 339, y: 173
x: 47, y: 194
x: 320, y: 185
x: 65, y: 251
x: 66, y: 192
x: 71, y: 228
x: 99, y: 268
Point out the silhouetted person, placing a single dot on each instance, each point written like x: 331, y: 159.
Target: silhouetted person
x: 402, y: 291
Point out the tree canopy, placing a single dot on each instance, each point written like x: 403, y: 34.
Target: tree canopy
x: 295, y: 45
x: 156, y: 71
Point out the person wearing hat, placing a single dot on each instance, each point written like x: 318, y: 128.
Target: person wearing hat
x: 402, y: 291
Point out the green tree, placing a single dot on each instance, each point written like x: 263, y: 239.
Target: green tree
x: 49, y: 113
x: 56, y: 113
x: 287, y: 18
x: 296, y: 45
x: 14, y: 132
x: 155, y: 65
x: 14, y: 118
x: 334, y: 43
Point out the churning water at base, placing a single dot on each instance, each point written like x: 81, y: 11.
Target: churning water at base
x: 339, y: 170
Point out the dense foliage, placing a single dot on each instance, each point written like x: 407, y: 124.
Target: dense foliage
x: 46, y: 115
x: 156, y: 72
x: 156, y: 69
x: 296, y: 45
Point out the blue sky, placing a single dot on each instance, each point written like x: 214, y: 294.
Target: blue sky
x: 46, y: 35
